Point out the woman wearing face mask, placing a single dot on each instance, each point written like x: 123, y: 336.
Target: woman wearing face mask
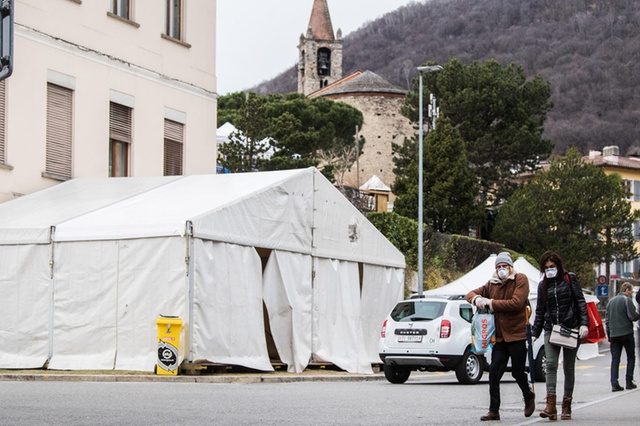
x: 506, y: 294
x: 560, y: 301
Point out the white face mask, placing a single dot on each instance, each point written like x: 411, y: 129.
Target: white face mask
x: 551, y: 272
x: 503, y: 273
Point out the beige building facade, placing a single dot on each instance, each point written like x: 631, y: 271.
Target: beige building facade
x: 108, y: 88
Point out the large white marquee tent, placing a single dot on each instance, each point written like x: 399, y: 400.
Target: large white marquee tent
x: 87, y: 266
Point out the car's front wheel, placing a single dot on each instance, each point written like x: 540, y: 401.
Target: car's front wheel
x: 396, y: 374
x: 469, y: 369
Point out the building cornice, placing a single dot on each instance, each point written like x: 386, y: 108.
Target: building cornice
x: 111, y: 61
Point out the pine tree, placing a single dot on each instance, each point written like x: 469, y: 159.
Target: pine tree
x: 451, y: 202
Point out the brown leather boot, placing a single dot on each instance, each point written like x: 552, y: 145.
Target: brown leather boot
x: 529, y: 406
x: 550, y: 410
x: 491, y: 415
x: 566, y: 408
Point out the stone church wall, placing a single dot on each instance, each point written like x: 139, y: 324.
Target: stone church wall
x: 383, y: 125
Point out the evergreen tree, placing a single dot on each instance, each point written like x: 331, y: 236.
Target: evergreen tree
x: 450, y: 188
x: 247, y: 147
x: 575, y: 209
x: 498, y: 113
x: 302, y: 132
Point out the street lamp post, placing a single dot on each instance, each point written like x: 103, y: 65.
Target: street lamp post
x: 421, y: 70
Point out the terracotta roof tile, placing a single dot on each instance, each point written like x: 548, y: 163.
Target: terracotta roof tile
x: 320, y: 21
x: 614, y: 161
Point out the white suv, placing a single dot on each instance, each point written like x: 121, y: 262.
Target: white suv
x: 433, y: 333
x: 429, y: 333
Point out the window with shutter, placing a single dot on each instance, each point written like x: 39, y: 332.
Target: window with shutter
x: 636, y: 190
x: 3, y: 158
x: 174, y: 19
x: 173, y: 147
x: 119, y: 139
x: 59, y: 131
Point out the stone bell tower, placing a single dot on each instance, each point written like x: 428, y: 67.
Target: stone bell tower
x: 320, y: 52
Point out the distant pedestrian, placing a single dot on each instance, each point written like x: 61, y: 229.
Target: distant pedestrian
x: 618, y: 324
x: 560, y: 301
x: 506, y: 294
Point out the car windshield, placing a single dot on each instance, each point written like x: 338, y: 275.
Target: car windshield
x: 418, y: 310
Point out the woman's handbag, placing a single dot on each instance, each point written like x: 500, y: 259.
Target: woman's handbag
x: 563, y: 336
x: 483, y: 329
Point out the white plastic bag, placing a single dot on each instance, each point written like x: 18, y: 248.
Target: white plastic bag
x: 483, y: 330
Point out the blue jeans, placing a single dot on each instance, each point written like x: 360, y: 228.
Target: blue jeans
x: 500, y: 355
x: 616, y: 345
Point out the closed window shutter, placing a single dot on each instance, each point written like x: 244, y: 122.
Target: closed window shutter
x: 119, y: 122
x: 2, y: 121
x: 59, y: 130
x: 173, y: 148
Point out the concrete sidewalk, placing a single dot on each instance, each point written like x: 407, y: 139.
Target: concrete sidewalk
x: 276, y: 377
x: 619, y: 408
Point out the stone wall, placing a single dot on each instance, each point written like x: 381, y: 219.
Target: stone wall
x: 383, y: 125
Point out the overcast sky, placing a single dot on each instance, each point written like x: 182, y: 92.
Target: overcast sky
x: 257, y: 39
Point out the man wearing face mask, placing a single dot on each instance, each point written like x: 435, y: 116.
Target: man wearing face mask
x: 506, y: 294
x: 560, y: 301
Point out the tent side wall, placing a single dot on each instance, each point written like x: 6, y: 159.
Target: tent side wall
x: 382, y: 288
x: 348, y: 311
x: 25, y: 285
x: 288, y: 299
x: 107, y: 296
x: 228, y: 324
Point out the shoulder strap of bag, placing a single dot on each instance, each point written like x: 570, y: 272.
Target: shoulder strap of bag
x: 573, y: 295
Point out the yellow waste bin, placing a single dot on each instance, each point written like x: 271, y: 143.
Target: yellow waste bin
x: 169, y: 329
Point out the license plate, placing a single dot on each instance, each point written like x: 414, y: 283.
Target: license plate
x: 412, y: 339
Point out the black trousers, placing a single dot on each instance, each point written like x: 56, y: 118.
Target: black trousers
x: 500, y: 355
x: 616, y: 344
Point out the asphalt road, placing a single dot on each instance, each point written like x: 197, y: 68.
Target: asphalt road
x: 426, y: 399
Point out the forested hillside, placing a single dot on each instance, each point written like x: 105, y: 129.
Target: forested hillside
x: 588, y: 49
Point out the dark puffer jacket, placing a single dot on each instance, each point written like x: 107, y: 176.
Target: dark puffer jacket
x: 560, y: 304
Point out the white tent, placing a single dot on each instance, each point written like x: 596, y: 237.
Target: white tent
x: 480, y: 275
x: 88, y: 265
x: 374, y: 184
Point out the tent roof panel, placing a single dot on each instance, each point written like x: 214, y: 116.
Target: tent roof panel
x: 165, y: 210
x: 28, y: 219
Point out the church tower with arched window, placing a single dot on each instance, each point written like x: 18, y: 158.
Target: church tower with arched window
x: 320, y: 52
